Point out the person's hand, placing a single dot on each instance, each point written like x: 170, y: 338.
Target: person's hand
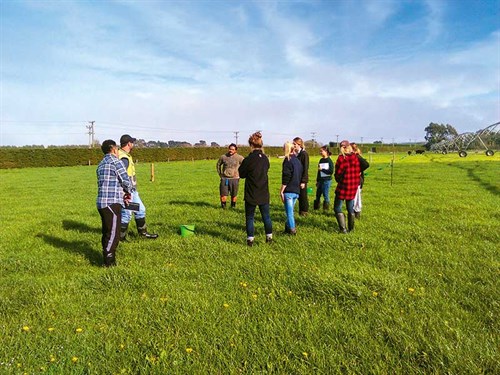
x: 127, y: 198
x: 282, y: 196
x: 303, y: 185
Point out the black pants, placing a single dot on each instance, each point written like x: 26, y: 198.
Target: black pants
x: 110, y: 218
x: 303, y: 200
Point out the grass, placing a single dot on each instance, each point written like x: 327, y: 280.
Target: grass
x: 414, y: 289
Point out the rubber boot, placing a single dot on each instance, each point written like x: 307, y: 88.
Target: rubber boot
x: 223, y: 205
x: 326, y: 206
x: 141, y: 228
x: 350, y: 221
x: 341, y: 221
x: 316, y: 204
x: 233, y: 204
x: 357, y: 214
x: 123, y: 231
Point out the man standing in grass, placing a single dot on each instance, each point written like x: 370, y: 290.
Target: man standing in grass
x: 227, y: 168
x: 112, y: 181
x: 127, y: 144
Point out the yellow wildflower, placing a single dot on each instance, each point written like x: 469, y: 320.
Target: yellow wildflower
x: 74, y: 359
x: 50, y: 329
x: 290, y: 292
x: 375, y: 294
x: 305, y: 354
x: 189, y: 350
x: 411, y: 290
x: 79, y: 330
x: 52, y: 358
x: 26, y: 328
x: 243, y: 284
x: 254, y: 296
x: 226, y: 305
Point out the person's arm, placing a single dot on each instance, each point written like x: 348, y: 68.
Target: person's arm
x: 125, y: 162
x: 363, y: 163
x: 123, y: 178
x: 305, y: 166
x: 339, y: 170
x: 219, y: 163
x: 243, y: 169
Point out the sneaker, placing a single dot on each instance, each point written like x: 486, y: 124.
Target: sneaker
x: 293, y: 231
x: 150, y: 236
x: 250, y: 243
x: 269, y: 240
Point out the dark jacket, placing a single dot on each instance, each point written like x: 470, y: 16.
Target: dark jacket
x: 303, y: 156
x: 291, y: 174
x: 325, y: 174
x: 363, y: 165
x: 254, y: 170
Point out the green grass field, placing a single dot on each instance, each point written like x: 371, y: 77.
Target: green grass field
x: 413, y: 290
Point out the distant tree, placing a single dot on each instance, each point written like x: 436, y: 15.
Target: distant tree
x: 201, y: 143
x: 435, y: 133
x: 214, y: 144
x: 377, y: 142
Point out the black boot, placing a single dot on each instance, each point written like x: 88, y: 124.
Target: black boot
x: 223, y: 205
x: 141, y: 228
x: 109, y: 261
x: 233, y: 204
x: 357, y: 214
x: 350, y: 221
x: 316, y: 204
x: 326, y: 206
x: 123, y: 232
x: 341, y: 221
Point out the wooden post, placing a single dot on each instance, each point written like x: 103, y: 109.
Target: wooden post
x: 152, y: 172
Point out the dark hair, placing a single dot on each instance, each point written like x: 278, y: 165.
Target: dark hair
x: 299, y: 141
x: 326, y: 149
x: 255, y: 140
x: 107, y: 146
x: 233, y: 145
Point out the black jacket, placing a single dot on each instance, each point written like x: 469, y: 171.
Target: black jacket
x: 304, y: 160
x: 254, y: 170
x: 291, y: 175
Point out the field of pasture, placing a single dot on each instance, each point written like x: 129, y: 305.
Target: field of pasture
x: 414, y: 289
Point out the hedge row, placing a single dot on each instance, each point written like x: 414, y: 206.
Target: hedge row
x: 61, y: 157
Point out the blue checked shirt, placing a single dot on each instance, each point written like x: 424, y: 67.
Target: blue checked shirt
x: 112, y: 180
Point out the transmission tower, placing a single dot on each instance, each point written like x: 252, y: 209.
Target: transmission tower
x: 91, y: 133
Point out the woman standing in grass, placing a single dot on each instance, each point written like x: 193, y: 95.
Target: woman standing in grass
x: 363, y: 165
x: 347, y: 173
x: 324, y: 179
x: 290, y: 185
x: 254, y: 169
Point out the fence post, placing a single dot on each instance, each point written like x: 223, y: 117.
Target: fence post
x: 152, y: 172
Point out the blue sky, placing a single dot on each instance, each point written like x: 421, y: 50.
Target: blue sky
x: 203, y: 70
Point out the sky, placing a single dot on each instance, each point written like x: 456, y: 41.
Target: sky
x: 219, y: 70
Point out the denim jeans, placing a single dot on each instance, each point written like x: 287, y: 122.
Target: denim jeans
x: 323, y: 190
x: 337, y: 205
x: 290, y: 199
x: 127, y: 214
x: 249, y: 218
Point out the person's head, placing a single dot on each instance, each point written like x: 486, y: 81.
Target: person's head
x: 298, y: 144
x: 355, y: 148
x: 232, y: 149
x: 324, y: 151
x: 345, y: 148
x: 109, y: 147
x: 255, y: 140
x: 288, y: 149
x: 127, y: 142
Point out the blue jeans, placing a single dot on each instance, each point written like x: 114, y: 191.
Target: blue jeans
x: 249, y: 218
x: 127, y: 214
x: 323, y: 190
x: 290, y: 199
x: 337, y: 205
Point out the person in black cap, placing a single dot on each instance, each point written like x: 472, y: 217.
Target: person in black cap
x: 112, y: 183
x: 127, y: 144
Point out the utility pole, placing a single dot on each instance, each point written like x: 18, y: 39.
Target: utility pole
x: 91, y: 133
x: 313, y: 134
x: 236, y: 137
x: 361, y: 141
x: 337, y: 140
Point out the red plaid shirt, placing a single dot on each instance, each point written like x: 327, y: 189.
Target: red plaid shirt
x: 347, y: 173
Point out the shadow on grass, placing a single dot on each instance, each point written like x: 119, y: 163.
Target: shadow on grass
x: 192, y: 203
x: 74, y: 247
x: 80, y: 227
x: 471, y: 173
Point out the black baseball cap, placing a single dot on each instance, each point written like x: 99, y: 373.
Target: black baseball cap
x: 125, y: 138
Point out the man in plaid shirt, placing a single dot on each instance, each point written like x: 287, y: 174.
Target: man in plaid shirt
x: 112, y: 181
x: 347, y: 171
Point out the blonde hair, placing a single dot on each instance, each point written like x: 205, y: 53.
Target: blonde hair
x: 288, y: 149
x: 346, y: 150
x: 255, y: 140
x: 355, y: 148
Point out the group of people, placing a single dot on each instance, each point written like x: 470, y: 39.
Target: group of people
x: 118, y: 198
x: 348, y: 173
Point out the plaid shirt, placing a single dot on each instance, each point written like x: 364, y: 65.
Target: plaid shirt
x: 112, y: 180
x: 347, y: 173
